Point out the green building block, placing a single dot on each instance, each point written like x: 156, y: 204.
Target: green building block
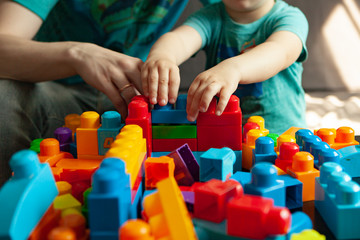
x: 173, y: 131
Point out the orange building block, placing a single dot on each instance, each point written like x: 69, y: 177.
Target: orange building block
x: 337, y: 139
x: 63, y: 187
x: 327, y: 135
x: 72, y: 121
x: 303, y: 169
x: 61, y: 233
x: 130, y: 146
x: 77, y: 223
x: 157, y: 169
x: 291, y: 131
x: 167, y: 213
x: 135, y: 229
x: 49, y: 221
x: 86, y: 134
x: 50, y: 152
x: 249, y: 146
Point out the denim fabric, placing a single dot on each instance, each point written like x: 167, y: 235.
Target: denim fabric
x: 30, y: 111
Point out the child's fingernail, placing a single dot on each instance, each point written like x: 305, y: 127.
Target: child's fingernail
x: 153, y: 100
x: 218, y: 113
x: 162, y: 101
x: 202, y: 109
x: 172, y: 100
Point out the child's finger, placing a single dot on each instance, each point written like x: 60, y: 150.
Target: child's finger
x: 153, y: 80
x: 194, y: 105
x: 210, y: 91
x: 144, y: 80
x: 174, y: 84
x: 223, y: 101
x: 191, y: 92
x: 163, y: 85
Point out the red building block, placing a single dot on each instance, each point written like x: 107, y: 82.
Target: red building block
x: 74, y: 170
x: 211, y: 199
x: 157, y: 169
x: 169, y: 145
x: 139, y: 114
x: 303, y: 169
x: 286, y: 153
x: 256, y: 217
x: 220, y: 131
x: 50, y: 152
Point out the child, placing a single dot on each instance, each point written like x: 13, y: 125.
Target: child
x: 254, y: 50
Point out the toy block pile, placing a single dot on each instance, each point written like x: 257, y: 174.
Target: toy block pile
x: 159, y: 176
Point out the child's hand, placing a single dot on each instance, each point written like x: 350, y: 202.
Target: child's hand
x: 160, y: 80
x: 221, y: 80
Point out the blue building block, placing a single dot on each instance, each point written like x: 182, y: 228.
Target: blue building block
x: 265, y: 183
x: 300, y: 221
x: 242, y: 177
x: 25, y: 198
x: 316, y: 148
x: 109, y: 129
x: 264, y: 151
x: 109, y: 201
x: 217, y: 163
x: 350, y: 160
x: 337, y: 199
x: 328, y: 155
x: 308, y: 141
x: 299, y: 135
x: 293, y: 191
x: 171, y: 114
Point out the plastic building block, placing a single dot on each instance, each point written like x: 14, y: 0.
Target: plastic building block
x: 256, y: 217
x: 308, y: 234
x: 326, y: 134
x: 316, y: 148
x: 139, y: 114
x: 50, y: 152
x: 264, y: 151
x: 292, y: 131
x: 74, y: 170
x: 108, y: 202
x: 217, y: 163
x: 329, y: 155
x: 171, y: 114
x: 300, y: 134
x: 286, y: 154
x: 350, y: 160
x: 338, y: 201
x: 157, y: 169
x: 249, y: 146
x: 35, y: 145
x: 86, y: 134
x: 25, y: 198
x: 274, y: 137
x: 72, y: 121
x: 77, y: 223
x: 169, y: 145
x: 345, y: 136
x: 66, y: 201
x: 167, y: 213
x: 220, y: 131
x: 300, y: 222
x: 49, y: 221
x: 283, y: 139
x: 186, y: 167
x: 303, y: 169
x: 265, y: 183
x: 135, y: 229
x: 64, y: 136
x: 130, y: 146
x: 211, y: 199
x: 61, y: 233
x: 109, y: 129
x: 308, y: 141
x: 260, y: 121
x: 247, y: 127
x: 63, y: 187
x: 293, y: 191
x: 173, y: 131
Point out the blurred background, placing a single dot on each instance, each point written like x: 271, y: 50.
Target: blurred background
x: 331, y: 76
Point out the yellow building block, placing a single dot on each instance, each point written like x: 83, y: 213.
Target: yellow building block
x: 167, y: 213
x: 261, y: 122
x: 309, y: 234
x: 282, y: 139
x: 66, y: 201
x: 129, y: 146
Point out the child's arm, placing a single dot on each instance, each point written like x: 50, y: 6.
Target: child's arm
x: 160, y: 73
x: 264, y: 61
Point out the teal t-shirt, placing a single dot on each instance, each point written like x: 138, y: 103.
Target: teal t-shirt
x: 127, y: 26
x: 280, y: 99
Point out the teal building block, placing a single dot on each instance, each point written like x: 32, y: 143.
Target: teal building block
x: 337, y: 199
x: 173, y: 131
x: 217, y: 163
x: 109, y: 129
x: 264, y: 151
x: 25, y: 198
x: 299, y: 136
x: 350, y: 160
x: 265, y: 183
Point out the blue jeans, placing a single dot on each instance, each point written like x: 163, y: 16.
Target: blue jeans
x: 30, y: 111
